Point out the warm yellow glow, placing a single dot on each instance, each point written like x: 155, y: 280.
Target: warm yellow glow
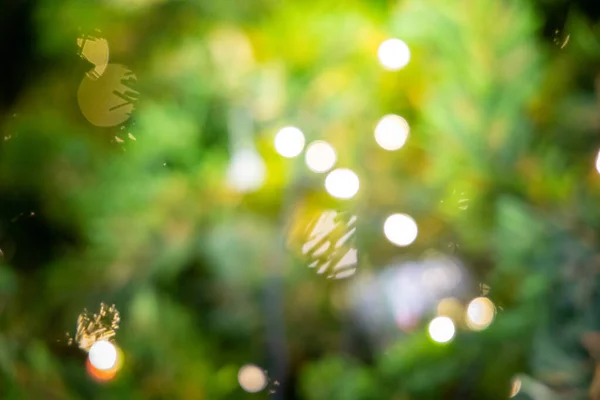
x: 246, y: 172
x: 105, y: 375
x: 516, y: 387
x: 450, y: 307
x: 110, y: 99
x: 441, y: 329
x: 480, y: 313
x: 96, y: 51
x: 320, y: 156
x: 391, y: 132
x: 289, y: 141
x: 342, y: 183
x: 598, y: 162
x: 393, y: 54
x: 400, y: 229
x: 103, y: 355
x: 252, y: 379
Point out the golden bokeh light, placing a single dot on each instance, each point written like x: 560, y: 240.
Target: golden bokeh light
x: 320, y: 156
x: 246, y: 172
x: 391, y: 132
x: 393, y: 54
x: 96, y: 51
x: 252, y: 378
x: 92, y: 328
x: 342, y: 183
x: 452, y: 308
x: 110, y: 99
x: 480, y: 313
x: 103, y: 355
x: 105, y: 375
x: 515, y: 387
x: 441, y: 329
x: 598, y: 162
x: 289, y: 142
x: 400, y: 229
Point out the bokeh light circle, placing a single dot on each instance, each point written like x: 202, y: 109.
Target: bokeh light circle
x: 515, y: 387
x: 289, y: 141
x: 480, y: 313
x: 103, y: 355
x: 393, y: 54
x: 391, y: 132
x: 252, y: 378
x: 342, y: 183
x: 441, y: 329
x: 598, y: 162
x: 400, y: 229
x: 320, y: 156
x: 247, y: 171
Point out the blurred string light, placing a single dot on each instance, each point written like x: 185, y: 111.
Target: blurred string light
x: 246, y: 171
x: 441, y: 329
x: 598, y: 162
x: 110, y: 99
x: 289, y: 142
x: 342, y: 183
x: 480, y: 313
x: 96, y: 51
x: 515, y: 387
x: 320, y: 156
x: 391, y: 132
x: 103, y: 355
x: 104, y: 374
x: 252, y: 378
x: 393, y: 54
x: 400, y: 229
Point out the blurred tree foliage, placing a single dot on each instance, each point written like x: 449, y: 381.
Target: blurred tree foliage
x: 501, y: 97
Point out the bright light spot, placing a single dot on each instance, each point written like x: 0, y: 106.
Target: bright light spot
x: 252, y: 379
x: 103, y: 355
x: 480, y: 313
x: 105, y: 375
x: 96, y: 51
x: 393, y: 54
x: 391, y: 132
x: 247, y: 171
x: 289, y: 141
x: 441, y: 329
x: 400, y: 229
x: 342, y: 183
x: 516, y: 387
x: 320, y: 156
x: 598, y: 162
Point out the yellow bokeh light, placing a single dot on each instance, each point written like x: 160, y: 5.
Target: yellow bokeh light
x: 96, y: 51
x: 450, y: 307
x: 393, y: 54
x: 320, y: 156
x: 598, y: 162
x: 515, y: 387
x: 400, y: 229
x: 441, y: 329
x: 391, y: 132
x: 252, y: 379
x: 246, y: 172
x: 105, y: 375
x: 103, y: 355
x: 480, y: 313
x: 342, y: 183
x: 289, y: 141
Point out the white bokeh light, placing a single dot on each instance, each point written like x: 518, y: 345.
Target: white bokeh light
x: 289, y: 141
x: 320, y: 156
x: 252, y: 379
x: 480, y: 313
x: 247, y: 171
x: 400, y: 229
x: 342, y: 183
x: 441, y: 329
x: 391, y: 132
x: 393, y: 54
x: 515, y: 387
x: 103, y: 355
x: 598, y: 162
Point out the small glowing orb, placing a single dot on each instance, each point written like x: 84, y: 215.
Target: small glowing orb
x: 320, y: 156
x: 246, y: 172
x: 103, y: 355
x: 480, y: 313
x: 252, y: 379
x: 391, y: 132
x: 393, y: 54
x: 105, y: 375
x: 450, y: 307
x: 289, y: 141
x: 342, y: 183
x: 400, y: 229
x: 598, y: 162
x: 515, y: 387
x: 441, y: 329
